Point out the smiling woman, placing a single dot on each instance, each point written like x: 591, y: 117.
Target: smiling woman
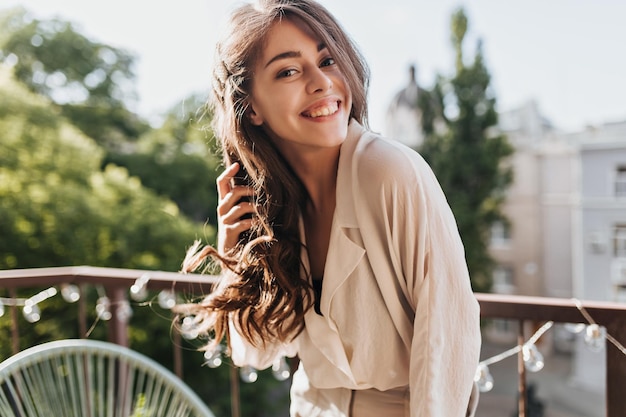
x: 299, y: 92
x: 336, y: 245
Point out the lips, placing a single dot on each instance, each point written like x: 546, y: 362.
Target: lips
x: 327, y: 108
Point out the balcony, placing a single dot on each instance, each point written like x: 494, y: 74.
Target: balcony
x: 521, y: 309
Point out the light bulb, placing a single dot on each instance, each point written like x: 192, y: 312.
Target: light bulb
x: 138, y: 290
x: 70, y: 293
x: 124, y: 311
x: 103, y: 308
x: 595, y: 337
x: 483, y: 378
x: 248, y: 374
x: 533, y: 359
x: 280, y: 369
x: 31, y: 312
x: 189, y: 328
x: 167, y: 299
x: 213, y: 357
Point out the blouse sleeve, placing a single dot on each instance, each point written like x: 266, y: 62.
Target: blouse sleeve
x: 411, y: 215
x: 259, y: 357
x: 446, y: 339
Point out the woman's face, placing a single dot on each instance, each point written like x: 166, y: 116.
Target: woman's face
x: 299, y: 95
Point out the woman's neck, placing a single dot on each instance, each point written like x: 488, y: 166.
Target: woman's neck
x: 318, y: 172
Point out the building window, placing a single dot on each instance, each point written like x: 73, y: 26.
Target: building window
x: 618, y: 265
x: 597, y: 242
x: 503, y: 280
x: 500, y: 234
x: 620, y: 181
x: 619, y: 241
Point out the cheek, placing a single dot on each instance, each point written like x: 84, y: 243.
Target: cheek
x: 277, y: 107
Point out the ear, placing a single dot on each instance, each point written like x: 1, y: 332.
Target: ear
x: 254, y: 117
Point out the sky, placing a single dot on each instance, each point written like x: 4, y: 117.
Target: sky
x: 566, y: 55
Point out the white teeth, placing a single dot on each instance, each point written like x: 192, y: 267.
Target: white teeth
x: 324, y: 111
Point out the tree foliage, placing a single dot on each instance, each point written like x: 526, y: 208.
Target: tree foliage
x: 467, y: 155
x: 57, y: 207
x: 91, y: 82
x: 179, y: 160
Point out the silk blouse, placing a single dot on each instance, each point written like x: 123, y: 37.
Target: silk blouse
x: 397, y: 308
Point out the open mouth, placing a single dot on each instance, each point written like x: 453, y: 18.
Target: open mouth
x: 327, y: 109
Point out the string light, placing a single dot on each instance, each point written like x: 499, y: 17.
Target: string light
x: 533, y: 359
x: 30, y: 308
x: 70, y: 293
x: 189, y: 328
x: 483, y: 378
x: 139, y: 290
x: 124, y: 312
x: 167, y: 299
x: 248, y: 374
x: 213, y: 357
x: 280, y: 369
x: 31, y: 312
x: 595, y: 337
x: 103, y: 308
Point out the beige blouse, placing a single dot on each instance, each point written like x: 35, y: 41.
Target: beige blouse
x: 397, y: 306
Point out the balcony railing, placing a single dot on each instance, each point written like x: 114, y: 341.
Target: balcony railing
x: 519, y: 308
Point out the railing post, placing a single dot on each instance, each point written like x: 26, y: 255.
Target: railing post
x: 615, y: 372
x: 234, y: 392
x: 521, y: 372
x: 15, y: 333
x: 118, y: 325
x: 82, y: 312
x: 178, y: 354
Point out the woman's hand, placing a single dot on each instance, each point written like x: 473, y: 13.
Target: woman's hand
x: 233, y: 209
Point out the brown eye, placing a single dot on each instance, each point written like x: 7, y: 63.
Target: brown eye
x: 286, y: 73
x: 327, y: 62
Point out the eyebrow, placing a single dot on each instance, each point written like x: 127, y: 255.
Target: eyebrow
x: 292, y: 54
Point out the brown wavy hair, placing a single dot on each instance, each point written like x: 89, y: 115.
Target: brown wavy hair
x: 262, y: 289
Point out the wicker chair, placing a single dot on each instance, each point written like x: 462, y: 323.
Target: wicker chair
x: 89, y: 378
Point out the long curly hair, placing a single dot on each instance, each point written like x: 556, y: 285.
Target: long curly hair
x: 262, y: 289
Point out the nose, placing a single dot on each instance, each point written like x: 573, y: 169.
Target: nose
x: 318, y: 81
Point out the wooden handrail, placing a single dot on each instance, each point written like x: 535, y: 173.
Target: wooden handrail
x: 159, y: 280
x: 513, y: 307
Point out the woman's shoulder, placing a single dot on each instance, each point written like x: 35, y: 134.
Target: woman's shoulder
x: 382, y: 161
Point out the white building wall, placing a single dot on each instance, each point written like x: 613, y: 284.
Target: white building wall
x: 601, y: 210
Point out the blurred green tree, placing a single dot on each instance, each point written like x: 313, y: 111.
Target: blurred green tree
x: 92, y: 83
x: 57, y: 207
x: 179, y: 160
x: 466, y: 152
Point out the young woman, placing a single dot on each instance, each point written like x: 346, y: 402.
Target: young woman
x: 336, y: 245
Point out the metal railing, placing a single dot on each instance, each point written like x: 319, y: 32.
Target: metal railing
x: 542, y: 309
x: 520, y: 308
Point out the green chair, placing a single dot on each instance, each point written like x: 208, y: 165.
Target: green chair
x: 89, y: 378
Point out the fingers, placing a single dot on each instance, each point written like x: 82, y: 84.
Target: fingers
x: 229, y: 234
x: 224, y: 181
x: 240, y: 211
x: 234, y: 210
x: 231, y: 225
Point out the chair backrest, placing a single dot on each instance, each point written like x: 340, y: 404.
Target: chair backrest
x: 90, y: 378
